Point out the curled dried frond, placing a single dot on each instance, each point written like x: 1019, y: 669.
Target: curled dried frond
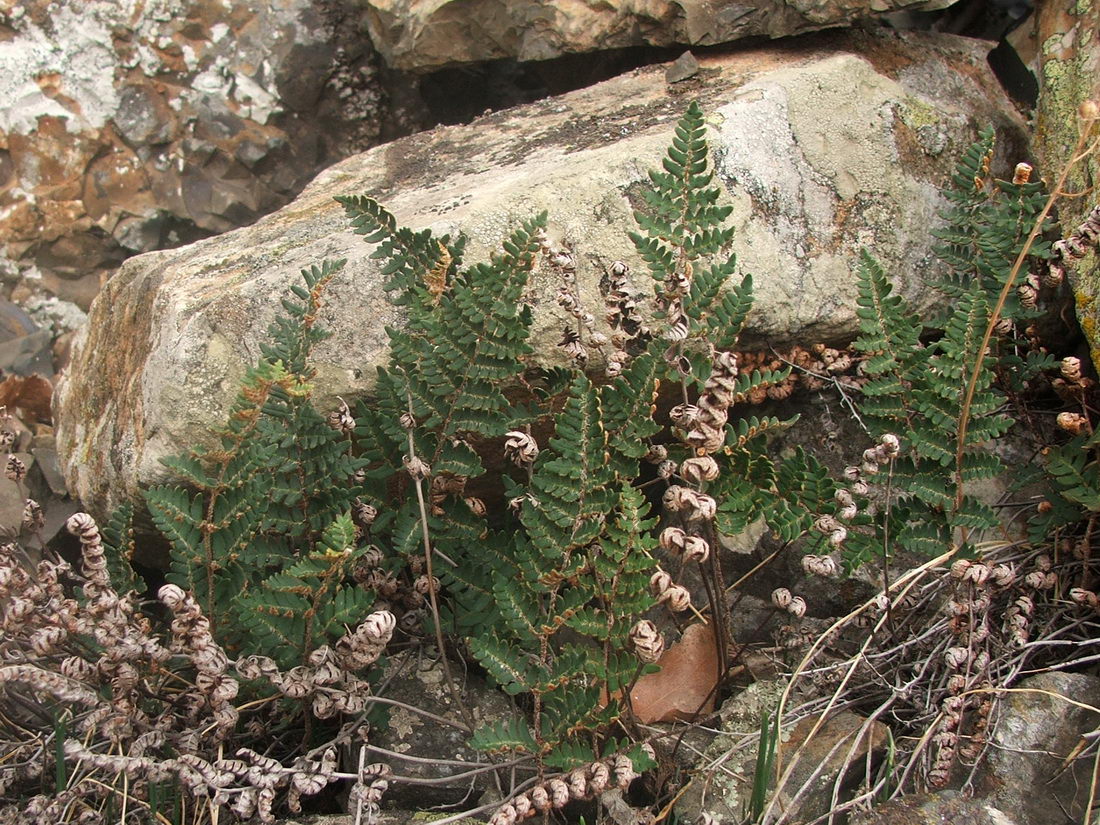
x: 341, y: 418
x: 683, y: 416
x: 820, y: 565
x: 15, y: 469
x: 690, y: 503
x: 646, y: 641
x: 555, y: 793
x: 1073, y: 423
x: 416, y: 467
x: 699, y: 469
x: 573, y: 347
x: 696, y: 549
x: 521, y: 448
x: 33, y: 518
x: 1074, y: 247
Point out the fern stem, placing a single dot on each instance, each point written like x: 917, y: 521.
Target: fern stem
x: 714, y: 583
x: 886, y: 548
x: 1086, y: 554
x: 442, y: 720
x: 437, y: 624
x: 1080, y: 152
x: 536, y: 714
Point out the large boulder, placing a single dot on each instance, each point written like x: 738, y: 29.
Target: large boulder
x: 823, y: 150
x: 421, y: 35
x: 934, y: 809
x: 128, y: 126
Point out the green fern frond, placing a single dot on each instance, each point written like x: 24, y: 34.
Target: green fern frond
x: 119, y: 545
x: 409, y: 256
x: 571, y: 484
x: 293, y: 335
x: 504, y: 735
x: 986, y: 226
x: 973, y: 515
x: 746, y: 429
x: 1076, y: 473
x: 757, y: 379
x: 626, y: 407
x: 682, y: 214
x: 503, y: 661
x: 727, y: 317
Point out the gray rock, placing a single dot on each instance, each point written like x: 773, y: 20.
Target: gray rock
x: 835, y: 752
x: 55, y: 315
x: 814, y: 173
x: 28, y: 354
x: 422, y: 35
x: 14, y: 321
x: 934, y: 809
x: 143, y: 117
x: 1037, y: 729
x: 431, y: 748
x: 683, y: 67
x: 115, y: 116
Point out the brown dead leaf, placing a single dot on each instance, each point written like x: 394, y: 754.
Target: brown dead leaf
x: 684, y: 686
x: 32, y: 394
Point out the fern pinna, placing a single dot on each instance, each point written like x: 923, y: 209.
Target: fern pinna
x: 261, y: 536
x: 918, y: 389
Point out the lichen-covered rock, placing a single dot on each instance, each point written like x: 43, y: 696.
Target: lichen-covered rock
x: 422, y: 35
x: 823, y: 150
x: 431, y: 745
x: 822, y: 753
x: 1068, y: 36
x: 1040, y: 723
x: 130, y: 125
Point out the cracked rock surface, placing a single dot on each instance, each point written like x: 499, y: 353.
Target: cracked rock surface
x: 421, y: 35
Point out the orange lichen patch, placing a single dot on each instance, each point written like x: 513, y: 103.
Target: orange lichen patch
x: 51, y: 160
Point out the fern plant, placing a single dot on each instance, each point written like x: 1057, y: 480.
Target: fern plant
x: 547, y: 551
x: 919, y: 375
x: 515, y: 591
x: 545, y: 590
x: 262, y: 536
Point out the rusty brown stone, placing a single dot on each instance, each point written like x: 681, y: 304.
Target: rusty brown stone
x: 129, y: 126
x: 424, y: 35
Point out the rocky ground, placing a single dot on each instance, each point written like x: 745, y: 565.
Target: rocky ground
x: 129, y: 128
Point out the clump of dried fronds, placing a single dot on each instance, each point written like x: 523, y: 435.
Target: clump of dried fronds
x: 953, y: 637
x: 89, y: 681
